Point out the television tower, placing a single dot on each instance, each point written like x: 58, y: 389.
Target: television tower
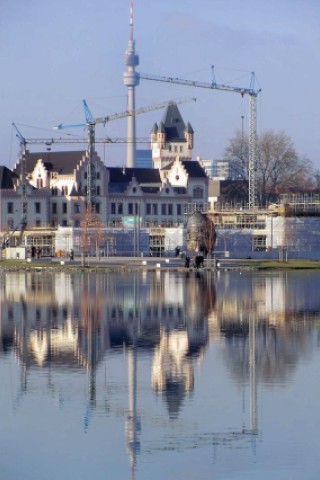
x: 131, y: 79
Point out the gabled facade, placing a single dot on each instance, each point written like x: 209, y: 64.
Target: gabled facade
x: 154, y: 196
x: 11, y: 202
x: 62, y: 178
x: 57, y: 188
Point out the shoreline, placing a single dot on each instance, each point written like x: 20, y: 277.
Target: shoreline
x: 123, y: 264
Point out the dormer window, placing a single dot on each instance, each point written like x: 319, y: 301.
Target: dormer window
x: 134, y: 190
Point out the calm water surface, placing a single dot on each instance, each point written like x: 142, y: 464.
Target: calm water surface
x: 159, y: 376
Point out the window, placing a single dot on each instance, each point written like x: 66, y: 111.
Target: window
x: 76, y: 208
x: 97, y: 207
x: 54, y: 191
x: 98, y: 190
x: 64, y: 223
x: 64, y: 207
x: 39, y: 182
x: 54, y: 208
x: 154, y: 209
x: 38, y: 222
x: 85, y: 175
x: 113, y: 208
x: 163, y: 209
x: 10, y: 207
x: 148, y: 209
x: 179, y: 210
x: 77, y: 223
x: 98, y: 175
x: 37, y: 207
x: 130, y: 209
x: 120, y: 209
x: 198, y: 192
x: 136, y: 208
x: 170, y: 209
x: 259, y: 243
x: 64, y: 190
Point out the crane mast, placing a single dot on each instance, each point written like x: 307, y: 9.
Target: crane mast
x: 252, y: 92
x: 23, y: 179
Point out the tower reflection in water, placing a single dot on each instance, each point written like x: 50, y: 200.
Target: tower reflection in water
x: 69, y: 323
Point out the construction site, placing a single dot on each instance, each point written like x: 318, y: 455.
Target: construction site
x: 48, y: 209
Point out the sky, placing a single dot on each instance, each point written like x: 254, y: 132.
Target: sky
x: 55, y: 54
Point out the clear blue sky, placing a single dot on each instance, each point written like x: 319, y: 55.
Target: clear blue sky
x: 54, y: 54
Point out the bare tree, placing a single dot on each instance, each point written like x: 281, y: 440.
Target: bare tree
x: 278, y: 166
x: 237, y: 153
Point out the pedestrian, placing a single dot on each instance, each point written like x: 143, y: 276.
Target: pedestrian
x: 187, y: 262
x: 71, y: 254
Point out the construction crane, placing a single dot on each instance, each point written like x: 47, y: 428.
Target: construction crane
x: 90, y: 123
x: 23, y: 142
x: 73, y: 140
x: 23, y: 178
x: 252, y: 92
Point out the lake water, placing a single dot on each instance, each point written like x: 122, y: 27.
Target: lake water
x: 160, y: 375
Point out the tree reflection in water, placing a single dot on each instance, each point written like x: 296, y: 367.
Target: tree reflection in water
x: 72, y: 322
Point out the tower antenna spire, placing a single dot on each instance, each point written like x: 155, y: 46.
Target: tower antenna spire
x: 131, y: 20
x: 131, y: 80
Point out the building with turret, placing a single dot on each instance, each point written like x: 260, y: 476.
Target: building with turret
x: 171, y: 139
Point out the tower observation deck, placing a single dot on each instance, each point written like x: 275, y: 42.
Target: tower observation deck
x: 131, y: 79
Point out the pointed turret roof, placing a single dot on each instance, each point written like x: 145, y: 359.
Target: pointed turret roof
x: 154, y: 128
x: 189, y: 128
x: 173, y: 124
x: 162, y: 128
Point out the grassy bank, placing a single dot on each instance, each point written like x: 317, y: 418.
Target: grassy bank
x: 280, y: 265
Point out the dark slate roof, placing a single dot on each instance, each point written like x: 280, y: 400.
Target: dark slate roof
x: 7, y: 178
x: 194, y: 168
x: 142, y: 175
x: 62, y: 162
x: 173, y: 124
x: 150, y: 189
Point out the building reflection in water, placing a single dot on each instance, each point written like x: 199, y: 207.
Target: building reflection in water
x: 62, y: 320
